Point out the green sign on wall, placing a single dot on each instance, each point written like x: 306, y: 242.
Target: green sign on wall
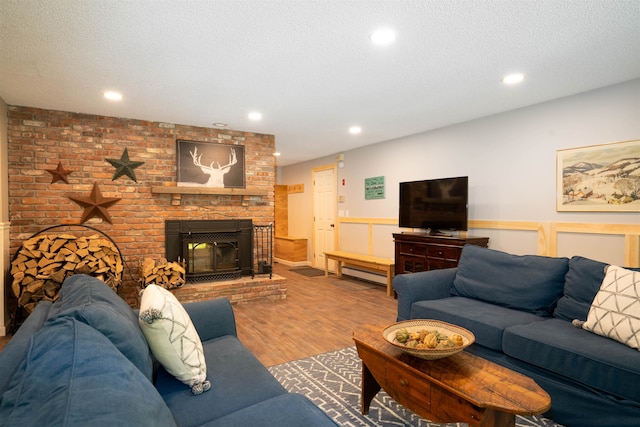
x: 374, y: 188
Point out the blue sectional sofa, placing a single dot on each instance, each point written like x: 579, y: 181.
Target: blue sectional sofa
x: 521, y: 310
x: 83, y: 361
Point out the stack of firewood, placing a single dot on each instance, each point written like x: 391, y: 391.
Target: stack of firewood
x: 45, y: 261
x: 160, y: 272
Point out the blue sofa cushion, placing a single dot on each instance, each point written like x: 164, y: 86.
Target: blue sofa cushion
x: 486, y: 321
x: 530, y: 283
x: 557, y: 346
x: 240, y: 380
x: 91, y: 301
x: 287, y: 410
x: 582, y: 283
x: 74, y: 376
x: 12, y: 355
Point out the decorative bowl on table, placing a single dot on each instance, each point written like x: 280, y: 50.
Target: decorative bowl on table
x: 449, y: 339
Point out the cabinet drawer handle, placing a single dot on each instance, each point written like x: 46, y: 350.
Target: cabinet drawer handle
x: 403, y: 382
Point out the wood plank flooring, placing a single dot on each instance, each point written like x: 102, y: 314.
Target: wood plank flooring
x: 317, y: 316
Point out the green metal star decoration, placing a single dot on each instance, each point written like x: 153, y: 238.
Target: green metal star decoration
x: 59, y: 174
x: 124, y: 166
x: 95, y: 205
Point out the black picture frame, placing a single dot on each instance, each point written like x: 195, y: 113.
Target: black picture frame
x: 225, y: 161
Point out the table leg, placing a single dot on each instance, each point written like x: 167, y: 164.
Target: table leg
x: 326, y: 266
x: 370, y: 388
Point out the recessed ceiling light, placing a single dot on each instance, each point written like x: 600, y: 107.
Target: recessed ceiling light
x: 113, y: 96
x: 254, y: 115
x: 354, y: 130
x: 383, y: 36
x: 276, y: 154
x: 512, y: 79
x: 220, y: 125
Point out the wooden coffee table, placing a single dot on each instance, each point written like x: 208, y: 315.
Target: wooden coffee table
x: 458, y: 388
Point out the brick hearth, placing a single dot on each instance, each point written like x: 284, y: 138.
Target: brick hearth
x: 241, y: 290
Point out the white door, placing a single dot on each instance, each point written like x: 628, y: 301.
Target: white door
x: 324, y: 213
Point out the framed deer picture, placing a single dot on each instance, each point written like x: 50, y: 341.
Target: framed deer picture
x: 207, y: 164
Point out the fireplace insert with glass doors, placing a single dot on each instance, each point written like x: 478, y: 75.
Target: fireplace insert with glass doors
x: 211, y: 249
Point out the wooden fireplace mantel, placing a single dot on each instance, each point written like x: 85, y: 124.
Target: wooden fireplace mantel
x: 208, y: 190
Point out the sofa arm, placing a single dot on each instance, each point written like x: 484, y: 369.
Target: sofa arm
x: 212, y: 318
x: 16, y: 350
x: 425, y: 285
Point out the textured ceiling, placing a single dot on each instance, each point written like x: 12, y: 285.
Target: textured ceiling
x: 308, y: 65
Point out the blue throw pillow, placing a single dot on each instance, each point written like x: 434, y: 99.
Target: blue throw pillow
x: 74, y: 376
x: 529, y: 283
x: 93, y: 302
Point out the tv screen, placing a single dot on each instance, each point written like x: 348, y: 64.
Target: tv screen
x: 434, y: 204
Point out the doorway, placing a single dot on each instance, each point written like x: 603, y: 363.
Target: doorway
x: 324, y: 212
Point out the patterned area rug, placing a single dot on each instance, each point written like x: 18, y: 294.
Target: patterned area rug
x: 332, y: 381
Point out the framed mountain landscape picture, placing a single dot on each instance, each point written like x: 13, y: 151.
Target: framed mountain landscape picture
x: 599, y: 178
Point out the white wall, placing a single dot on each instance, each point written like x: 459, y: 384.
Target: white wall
x: 510, y: 159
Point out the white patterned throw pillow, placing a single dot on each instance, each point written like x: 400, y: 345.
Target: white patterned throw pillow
x: 172, y: 337
x: 615, y: 310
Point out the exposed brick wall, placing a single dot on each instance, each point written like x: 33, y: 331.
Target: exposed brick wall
x: 39, y: 139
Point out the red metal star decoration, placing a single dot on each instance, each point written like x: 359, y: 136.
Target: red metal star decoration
x: 59, y: 174
x: 95, y: 205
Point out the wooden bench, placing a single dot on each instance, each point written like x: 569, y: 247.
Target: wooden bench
x: 365, y: 262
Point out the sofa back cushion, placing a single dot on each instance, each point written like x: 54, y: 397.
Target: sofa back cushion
x: 582, y: 282
x: 92, y: 302
x: 530, y: 283
x: 73, y: 375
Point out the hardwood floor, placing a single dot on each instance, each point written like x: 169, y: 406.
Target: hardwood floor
x: 317, y: 316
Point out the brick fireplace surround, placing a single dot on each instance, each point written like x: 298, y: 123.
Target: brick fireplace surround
x: 40, y: 139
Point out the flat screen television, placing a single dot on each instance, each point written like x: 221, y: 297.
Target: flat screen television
x: 435, y: 204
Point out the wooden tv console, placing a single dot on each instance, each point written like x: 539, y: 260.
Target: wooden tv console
x: 422, y: 252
